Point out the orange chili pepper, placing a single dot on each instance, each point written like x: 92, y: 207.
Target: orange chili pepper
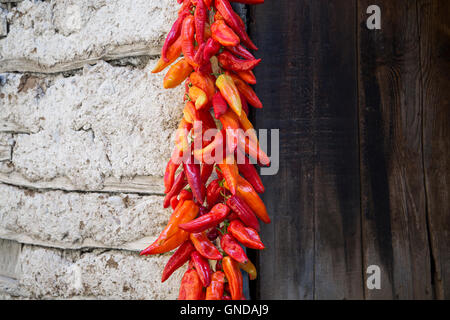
x: 246, y: 192
x: 198, y: 96
x: 190, y: 113
x: 230, y: 92
x: 248, y: 76
x: 230, y: 123
x: 224, y: 34
x: 248, y: 127
x: 177, y: 74
x: 173, y: 53
x: 181, y: 136
x: 187, y: 40
x: 234, y: 277
x: 250, y: 268
x: 230, y: 172
x: 191, y: 287
x: 204, y: 82
x: 215, y: 289
x: 246, y: 90
x: 172, y: 236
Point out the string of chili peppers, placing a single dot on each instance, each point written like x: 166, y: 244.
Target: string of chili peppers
x: 212, y: 219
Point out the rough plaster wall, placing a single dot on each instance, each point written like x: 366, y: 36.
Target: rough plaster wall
x: 85, y: 131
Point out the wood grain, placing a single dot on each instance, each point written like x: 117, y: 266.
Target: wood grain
x: 308, y: 85
x: 435, y: 67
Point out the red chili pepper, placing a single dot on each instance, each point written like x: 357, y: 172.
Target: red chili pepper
x: 187, y: 40
x: 230, y: 123
x: 224, y: 34
x: 243, y: 211
x: 251, y: 175
x: 233, y: 20
x: 173, y: 53
x: 212, y: 234
x: 246, y: 192
x: 202, y: 267
x: 244, y: 103
x: 215, y: 289
x: 232, y: 248
x: 230, y: 62
x: 219, y: 104
x: 213, y: 193
x: 239, y: 50
x: 191, y: 286
x: 205, y: 247
x: 200, y: 16
x: 178, y: 185
x: 178, y: 259
x: 205, y: 82
x: 175, y: 31
x: 174, y: 202
x: 206, y: 172
x: 217, y: 214
x: 169, y: 175
x: 245, y: 235
x: 193, y: 176
x: 234, y: 277
x: 212, y: 47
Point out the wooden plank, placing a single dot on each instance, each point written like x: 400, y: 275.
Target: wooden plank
x: 393, y: 194
x: 435, y: 65
x: 307, y: 83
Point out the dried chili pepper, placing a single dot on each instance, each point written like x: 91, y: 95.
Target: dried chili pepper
x: 202, y: 267
x: 172, y: 54
x: 233, y: 20
x: 230, y: 62
x: 204, y: 82
x: 224, y: 34
x: 215, y: 289
x: 198, y: 96
x: 217, y: 214
x: 252, y: 148
x: 213, y: 193
x: 175, y: 31
x: 178, y: 185
x: 230, y: 92
x: 248, y: 76
x: 234, y: 277
x: 193, y: 177
x: 177, y: 74
x: 206, y: 155
x: 250, y: 268
x: 212, y: 47
x: 230, y: 172
x: 205, y: 247
x: 169, y: 175
x: 171, y: 237
x: 245, y: 107
x: 206, y: 172
x: 245, y: 235
x: 232, y: 248
x: 219, y: 104
x: 240, y: 50
x: 191, y: 286
x: 187, y: 40
x: 178, y: 259
x: 243, y: 211
x: 247, y: 91
x: 200, y: 17
x: 246, y: 192
x: 249, y: 172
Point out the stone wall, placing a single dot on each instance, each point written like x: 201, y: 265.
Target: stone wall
x: 85, y: 132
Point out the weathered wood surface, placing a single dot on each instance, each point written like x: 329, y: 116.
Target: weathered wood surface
x: 307, y: 83
x: 364, y: 148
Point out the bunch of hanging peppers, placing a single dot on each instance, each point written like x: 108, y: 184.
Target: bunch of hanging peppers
x: 208, y: 49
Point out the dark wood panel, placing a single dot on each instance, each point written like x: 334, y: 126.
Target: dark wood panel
x: 435, y: 66
x: 392, y: 180
x: 307, y: 82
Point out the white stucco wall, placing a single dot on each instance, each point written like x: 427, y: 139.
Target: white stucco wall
x: 85, y: 132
